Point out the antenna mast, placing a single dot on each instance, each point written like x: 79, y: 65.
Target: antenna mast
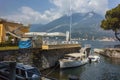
x: 70, y: 20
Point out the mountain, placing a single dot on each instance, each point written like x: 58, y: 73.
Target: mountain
x: 35, y: 27
x: 85, y: 25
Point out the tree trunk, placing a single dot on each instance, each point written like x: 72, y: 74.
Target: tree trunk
x: 116, y: 35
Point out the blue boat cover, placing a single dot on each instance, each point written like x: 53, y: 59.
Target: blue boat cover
x: 25, y: 44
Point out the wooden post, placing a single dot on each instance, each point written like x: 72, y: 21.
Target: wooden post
x: 12, y: 68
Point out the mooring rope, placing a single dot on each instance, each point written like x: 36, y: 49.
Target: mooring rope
x: 53, y: 69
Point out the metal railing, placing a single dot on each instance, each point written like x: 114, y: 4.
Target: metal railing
x: 59, y: 42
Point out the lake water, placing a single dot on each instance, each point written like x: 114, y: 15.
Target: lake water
x: 106, y: 69
x: 100, y: 44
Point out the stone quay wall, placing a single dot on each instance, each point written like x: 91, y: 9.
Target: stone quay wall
x: 42, y: 59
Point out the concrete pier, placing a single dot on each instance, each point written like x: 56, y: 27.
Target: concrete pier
x: 42, y: 58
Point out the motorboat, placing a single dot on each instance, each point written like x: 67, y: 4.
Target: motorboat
x: 28, y: 72
x: 73, y: 60
x: 94, y: 58
x: 23, y: 72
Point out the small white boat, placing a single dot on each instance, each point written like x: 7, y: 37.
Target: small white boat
x: 94, y: 58
x: 73, y: 60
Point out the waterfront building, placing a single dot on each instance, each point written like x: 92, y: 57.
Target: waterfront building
x: 9, y: 28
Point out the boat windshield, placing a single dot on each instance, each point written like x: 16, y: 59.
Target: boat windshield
x: 33, y: 71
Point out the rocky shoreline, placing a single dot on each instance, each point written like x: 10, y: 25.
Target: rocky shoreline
x: 109, y: 52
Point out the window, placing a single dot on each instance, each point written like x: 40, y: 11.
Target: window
x: 20, y: 72
x: 33, y: 71
x: 23, y: 73
x: 17, y: 71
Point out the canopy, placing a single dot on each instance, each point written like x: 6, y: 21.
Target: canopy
x: 25, y: 44
x: 75, y: 54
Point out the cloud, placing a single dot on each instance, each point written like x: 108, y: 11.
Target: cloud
x: 28, y: 15
x: 82, y: 6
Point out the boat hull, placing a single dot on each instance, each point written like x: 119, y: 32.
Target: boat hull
x: 74, y: 63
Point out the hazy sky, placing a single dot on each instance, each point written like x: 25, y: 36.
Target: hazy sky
x: 44, y: 11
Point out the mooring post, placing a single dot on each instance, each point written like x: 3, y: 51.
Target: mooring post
x: 12, y: 68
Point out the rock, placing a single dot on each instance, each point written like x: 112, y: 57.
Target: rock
x: 112, y: 52
x: 109, y: 52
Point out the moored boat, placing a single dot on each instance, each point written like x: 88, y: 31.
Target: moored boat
x: 94, y: 58
x: 73, y: 60
x: 22, y: 72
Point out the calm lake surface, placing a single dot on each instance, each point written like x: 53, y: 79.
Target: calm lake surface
x: 106, y: 69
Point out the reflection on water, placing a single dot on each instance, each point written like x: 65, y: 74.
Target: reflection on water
x: 115, y: 61
x: 110, y: 76
x: 106, y: 69
x: 71, y: 71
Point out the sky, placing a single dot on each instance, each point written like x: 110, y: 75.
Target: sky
x: 44, y: 11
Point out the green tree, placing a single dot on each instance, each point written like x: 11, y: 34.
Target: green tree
x: 112, y: 21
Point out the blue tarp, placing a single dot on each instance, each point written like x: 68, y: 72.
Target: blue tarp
x: 25, y: 44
